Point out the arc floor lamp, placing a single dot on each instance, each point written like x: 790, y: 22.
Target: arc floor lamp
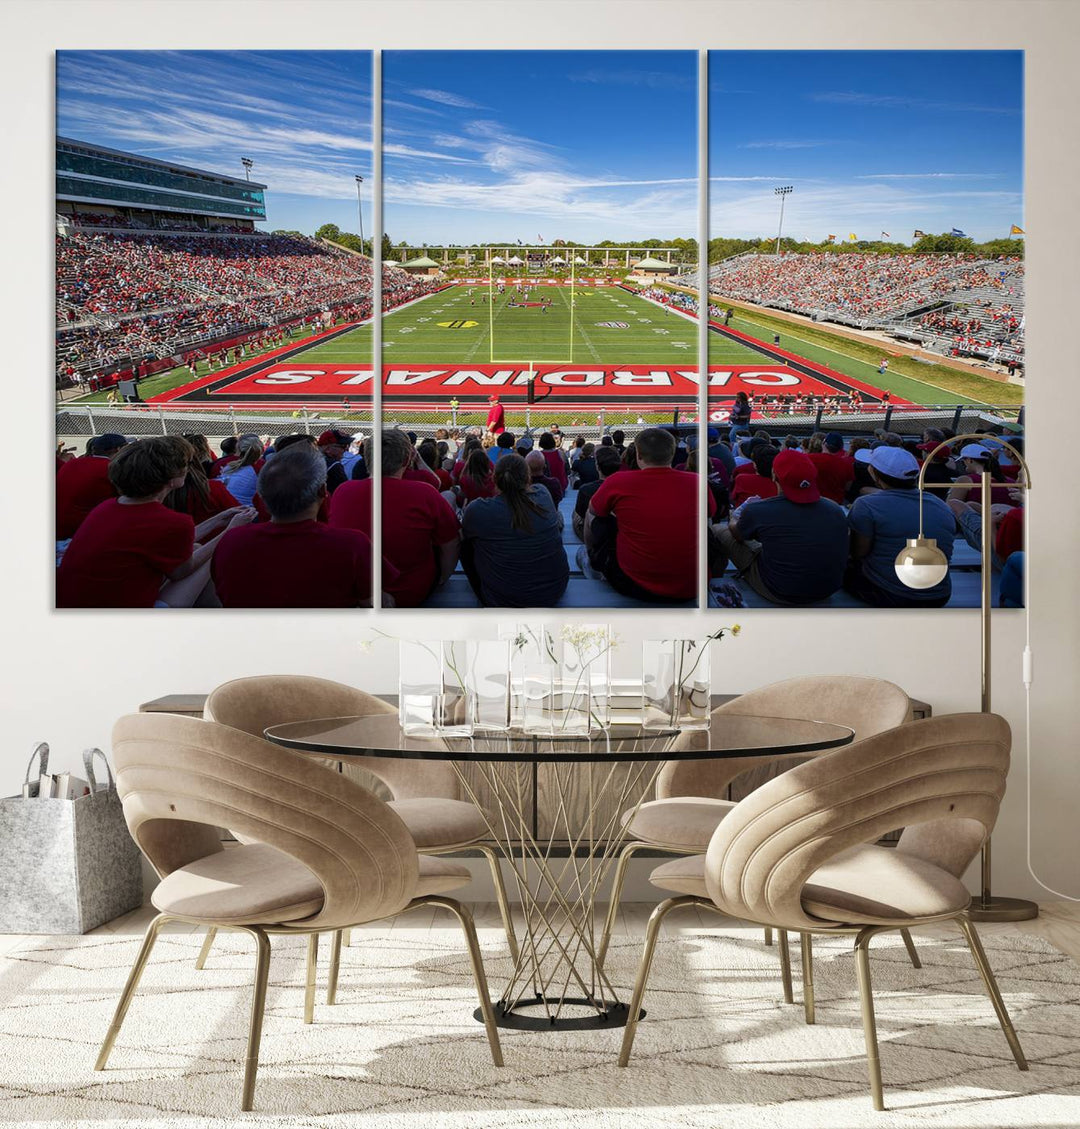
x: 921, y: 564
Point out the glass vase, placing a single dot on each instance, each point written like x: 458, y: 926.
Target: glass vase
x: 556, y: 701
x: 433, y: 693
x: 530, y: 645
x: 487, y: 676
x: 677, y: 683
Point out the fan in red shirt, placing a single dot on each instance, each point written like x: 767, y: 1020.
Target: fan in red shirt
x: 556, y: 463
x: 835, y: 469
x: 655, y: 539
x: 133, y: 552
x: 496, y: 417
x: 84, y: 482
x: 420, y: 531
x: 294, y: 560
x: 756, y: 480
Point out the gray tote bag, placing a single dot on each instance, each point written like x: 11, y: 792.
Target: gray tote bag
x: 68, y: 865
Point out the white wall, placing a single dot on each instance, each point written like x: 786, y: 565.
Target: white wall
x: 66, y: 676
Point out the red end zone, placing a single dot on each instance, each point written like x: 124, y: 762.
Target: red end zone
x: 303, y: 383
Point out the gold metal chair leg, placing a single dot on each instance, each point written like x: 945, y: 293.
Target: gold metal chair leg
x: 785, y: 966
x: 134, y: 976
x: 309, y: 991
x: 258, y: 1008
x: 912, y: 952
x: 335, y: 966
x: 207, y: 945
x: 346, y: 937
x: 463, y: 914
x: 992, y: 990
x: 651, y: 934
x: 617, y: 881
x: 866, y: 1003
x: 768, y: 935
x: 494, y: 861
x: 806, y: 952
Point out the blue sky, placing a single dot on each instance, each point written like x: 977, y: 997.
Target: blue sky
x: 872, y: 141
x: 582, y: 145
x: 304, y: 117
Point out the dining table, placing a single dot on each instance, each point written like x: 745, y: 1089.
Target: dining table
x: 596, y: 783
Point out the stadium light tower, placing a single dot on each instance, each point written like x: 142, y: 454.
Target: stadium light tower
x: 360, y: 209
x: 783, y: 194
x: 248, y: 164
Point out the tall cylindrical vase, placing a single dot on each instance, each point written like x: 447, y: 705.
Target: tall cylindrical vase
x: 434, y: 695
x: 677, y: 683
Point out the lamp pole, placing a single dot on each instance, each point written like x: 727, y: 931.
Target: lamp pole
x: 783, y: 193
x: 986, y: 907
x: 247, y: 162
x: 360, y: 209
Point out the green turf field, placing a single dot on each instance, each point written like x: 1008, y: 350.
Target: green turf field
x: 919, y: 383
x: 560, y: 334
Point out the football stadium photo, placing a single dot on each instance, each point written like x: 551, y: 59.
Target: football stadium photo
x: 491, y: 316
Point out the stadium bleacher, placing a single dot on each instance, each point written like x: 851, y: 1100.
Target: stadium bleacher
x: 899, y: 294
x: 123, y: 297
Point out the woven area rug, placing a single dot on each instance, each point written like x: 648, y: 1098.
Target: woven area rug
x: 719, y: 1048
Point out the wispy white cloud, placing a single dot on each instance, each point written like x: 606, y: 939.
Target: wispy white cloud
x: 904, y: 102
x: 448, y: 98
x: 780, y: 143
x: 654, y: 80
x: 929, y: 176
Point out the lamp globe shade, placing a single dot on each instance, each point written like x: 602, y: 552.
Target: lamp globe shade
x: 921, y: 564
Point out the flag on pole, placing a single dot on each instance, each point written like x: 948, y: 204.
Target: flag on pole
x: 540, y: 239
x: 830, y: 238
x: 852, y: 237
x: 919, y: 234
x: 958, y: 233
x: 885, y: 235
x: 1014, y: 230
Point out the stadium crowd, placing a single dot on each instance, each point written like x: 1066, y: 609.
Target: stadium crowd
x: 806, y: 518
x: 167, y: 522
x: 127, y: 298
x: 862, y: 287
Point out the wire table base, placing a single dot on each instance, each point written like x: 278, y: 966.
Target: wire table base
x: 557, y: 981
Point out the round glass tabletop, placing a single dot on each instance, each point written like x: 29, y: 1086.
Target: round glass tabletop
x: 728, y: 735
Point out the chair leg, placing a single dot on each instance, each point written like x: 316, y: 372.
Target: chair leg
x: 463, y: 914
x: 992, y: 990
x: 258, y: 1008
x: 207, y: 945
x: 309, y: 990
x: 494, y: 862
x: 912, y: 952
x: 134, y: 976
x: 335, y: 966
x: 616, y: 894
x: 651, y: 934
x: 866, y: 1003
x: 768, y: 935
x: 785, y: 966
x: 806, y: 952
x: 346, y: 937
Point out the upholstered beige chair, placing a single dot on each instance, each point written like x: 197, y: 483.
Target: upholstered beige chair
x: 324, y: 853
x: 691, y: 795
x: 426, y: 794
x: 801, y: 852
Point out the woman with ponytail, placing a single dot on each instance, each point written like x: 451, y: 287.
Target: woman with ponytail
x: 512, y: 550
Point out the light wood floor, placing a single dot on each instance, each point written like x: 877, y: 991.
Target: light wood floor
x: 1058, y: 923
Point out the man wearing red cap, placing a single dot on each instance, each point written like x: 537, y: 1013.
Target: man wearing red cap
x: 792, y: 548
x: 496, y: 419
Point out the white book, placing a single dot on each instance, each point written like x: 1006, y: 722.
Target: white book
x: 46, y: 784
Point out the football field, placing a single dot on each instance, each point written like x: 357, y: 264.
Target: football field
x: 546, y: 325
x: 579, y: 346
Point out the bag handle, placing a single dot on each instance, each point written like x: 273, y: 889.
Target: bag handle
x: 88, y: 764
x: 41, y: 755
